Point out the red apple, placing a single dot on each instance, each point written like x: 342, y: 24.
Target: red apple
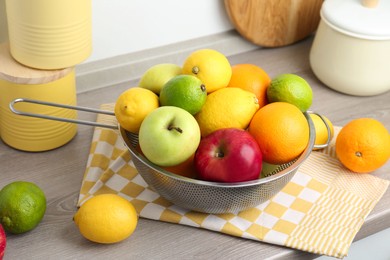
x: 2, y: 242
x: 228, y: 155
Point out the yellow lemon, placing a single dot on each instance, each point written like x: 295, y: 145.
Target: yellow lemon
x: 133, y: 105
x: 227, y: 107
x: 106, y: 219
x: 210, y: 66
x: 321, y: 130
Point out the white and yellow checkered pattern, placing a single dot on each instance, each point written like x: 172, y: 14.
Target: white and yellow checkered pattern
x: 320, y: 210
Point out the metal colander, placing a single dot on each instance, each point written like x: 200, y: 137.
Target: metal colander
x: 197, y: 195
x: 214, y: 197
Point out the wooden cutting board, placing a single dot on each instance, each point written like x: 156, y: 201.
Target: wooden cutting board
x: 274, y: 23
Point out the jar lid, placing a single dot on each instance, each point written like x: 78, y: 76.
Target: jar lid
x: 362, y: 18
x: 13, y: 71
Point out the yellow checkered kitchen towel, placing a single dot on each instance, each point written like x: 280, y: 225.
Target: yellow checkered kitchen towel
x: 320, y: 210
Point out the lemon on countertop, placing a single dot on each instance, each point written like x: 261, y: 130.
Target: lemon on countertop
x: 106, y: 219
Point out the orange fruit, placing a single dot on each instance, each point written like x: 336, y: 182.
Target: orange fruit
x: 363, y: 145
x: 251, y: 78
x: 186, y: 168
x: 281, y: 130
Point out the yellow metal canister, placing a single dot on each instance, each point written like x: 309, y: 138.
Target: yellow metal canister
x: 28, y: 133
x: 50, y: 34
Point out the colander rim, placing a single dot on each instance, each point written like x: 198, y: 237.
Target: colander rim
x: 290, y: 169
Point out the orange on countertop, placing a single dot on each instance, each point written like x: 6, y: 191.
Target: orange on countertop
x: 363, y: 145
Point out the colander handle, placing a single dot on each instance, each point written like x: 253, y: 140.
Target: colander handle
x: 321, y: 146
x: 68, y: 120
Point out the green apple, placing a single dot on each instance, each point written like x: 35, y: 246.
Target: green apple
x: 169, y: 136
x: 156, y: 76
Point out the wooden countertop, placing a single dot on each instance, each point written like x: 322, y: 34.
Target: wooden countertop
x: 59, y: 173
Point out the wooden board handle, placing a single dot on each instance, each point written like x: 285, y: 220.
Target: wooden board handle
x: 274, y: 23
x: 370, y: 3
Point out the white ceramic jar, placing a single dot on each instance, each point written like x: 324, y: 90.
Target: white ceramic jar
x: 351, y: 48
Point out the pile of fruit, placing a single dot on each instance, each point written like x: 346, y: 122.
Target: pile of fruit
x: 212, y: 121
x: 105, y: 218
x: 207, y: 119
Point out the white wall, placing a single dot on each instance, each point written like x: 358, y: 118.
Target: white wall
x: 124, y: 26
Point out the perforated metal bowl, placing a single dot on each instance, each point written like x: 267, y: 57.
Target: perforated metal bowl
x: 192, y: 194
x: 215, y: 197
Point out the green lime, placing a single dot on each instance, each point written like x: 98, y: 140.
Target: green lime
x: 22, y: 206
x: 292, y: 89
x: 184, y: 91
x: 268, y: 168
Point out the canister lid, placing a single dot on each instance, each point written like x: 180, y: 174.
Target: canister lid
x: 362, y: 18
x: 12, y: 71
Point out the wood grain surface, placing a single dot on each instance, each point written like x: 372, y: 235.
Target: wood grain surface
x: 14, y: 72
x: 59, y: 173
x: 370, y: 3
x: 274, y: 23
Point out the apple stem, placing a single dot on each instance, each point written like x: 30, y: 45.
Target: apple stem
x: 175, y: 128
x: 220, y: 154
x: 203, y: 88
